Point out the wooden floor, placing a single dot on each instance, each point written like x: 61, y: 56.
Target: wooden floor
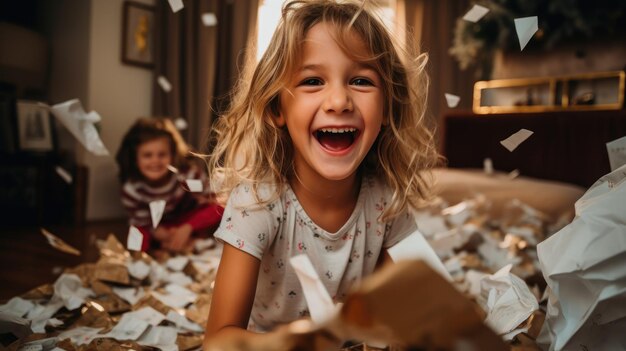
x: 27, y: 260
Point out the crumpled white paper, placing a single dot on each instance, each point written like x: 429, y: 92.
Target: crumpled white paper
x: 69, y: 289
x: 509, y: 301
x: 584, y: 266
x: 81, y: 125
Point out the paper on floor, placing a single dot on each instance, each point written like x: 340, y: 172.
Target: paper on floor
x: 134, y: 240
x: 512, y: 142
x: 209, y: 19
x: 59, y: 244
x: 510, y: 302
x: 81, y: 335
x: 320, y: 304
x: 157, y: 207
x: 587, y: 279
x: 162, y: 338
x: 176, y: 5
x: 69, y: 289
x: 81, y: 125
x: 128, y: 328
x: 525, y: 28
x: 475, y: 13
x: 452, y: 100
x: 415, y: 247
x: 177, y: 263
x: 617, y: 153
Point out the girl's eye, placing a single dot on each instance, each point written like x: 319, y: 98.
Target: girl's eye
x: 311, y: 81
x: 361, y: 81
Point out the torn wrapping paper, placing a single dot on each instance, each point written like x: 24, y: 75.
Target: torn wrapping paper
x: 164, y: 84
x: 317, y: 298
x: 81, y: 125
x: 452, y: 100
x: 617, y: 153
x: 511, y: 143
x: 163, y: 338
x: 59, y: 244
x: 134, y: 240
x: 157, y: 207
x: 488, y: 166
x: 415, y: 247
x: 65, y: 175
x: 583, y: 265
x: 69, y: 289
x: 525, y: 28
x: 176, y: 5
x: 209, y: 19
x: 509, y: 301
x: 475, y: 13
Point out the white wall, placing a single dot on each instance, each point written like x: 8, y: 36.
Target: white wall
x: 119, y: 93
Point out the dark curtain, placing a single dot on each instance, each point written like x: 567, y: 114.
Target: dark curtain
x: 432, y: 23
x: 201, y: 63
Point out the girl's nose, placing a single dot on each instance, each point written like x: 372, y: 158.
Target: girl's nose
x: 338, y: 100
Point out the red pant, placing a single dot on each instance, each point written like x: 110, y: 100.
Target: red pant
x: 204, y: 220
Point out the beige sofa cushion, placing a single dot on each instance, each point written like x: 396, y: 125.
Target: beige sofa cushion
x: 552, y: 198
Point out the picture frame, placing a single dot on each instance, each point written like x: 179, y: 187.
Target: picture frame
x: 138, y: 34
x: 34, y: 126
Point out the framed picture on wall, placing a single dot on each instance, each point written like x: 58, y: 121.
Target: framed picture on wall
x: 138, y: 34
x: 34, y: 126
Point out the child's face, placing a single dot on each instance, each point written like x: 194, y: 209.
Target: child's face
x: 153, y: 157
x: 334, y: 107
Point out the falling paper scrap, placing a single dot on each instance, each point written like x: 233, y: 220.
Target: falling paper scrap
x: 617, y: 153
x: 172, y: 169
x: 135, y: 239
x: 525, y: 27
x: 488, y: 166
x: 80, y: 124
x: 180, y: 123
x: 513, y: 174
x: 157, y: 207
x: 65, y: 175
x: 476, y: 13
x: 452, y: 100
x: 176, y: 5
x: 512, y: 142
x: 209, y: 19
x: 59, y: 244
x: 195, y: 185
x: 165, y: 84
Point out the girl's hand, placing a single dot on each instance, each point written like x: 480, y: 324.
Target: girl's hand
x: 179, y: 238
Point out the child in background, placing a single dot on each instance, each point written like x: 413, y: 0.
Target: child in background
x: 321, y: 153
x: 148, y: 148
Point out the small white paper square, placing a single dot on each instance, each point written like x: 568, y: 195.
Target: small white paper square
x: 176, y: 5
x: 165, y: 84
x: 180, y: 123
x: 513, y: 174
x: 476, y: 13
x: 135, y: 239
x: 617, y: 153
x: 488, y: 166
x: 65, y: 175
x: 512, y: 142
x: 526, y: 27
x: 195, y: 185
x: 157, y: 207
x: 452, y: 100
x: 209, y: 19
x: 172, y: 169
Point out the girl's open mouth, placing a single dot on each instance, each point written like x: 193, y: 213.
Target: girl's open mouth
x: 336, y: 139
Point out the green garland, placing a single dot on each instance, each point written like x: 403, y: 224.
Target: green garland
x: 475, y: 44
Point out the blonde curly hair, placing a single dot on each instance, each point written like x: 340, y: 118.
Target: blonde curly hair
x: 250, y: 147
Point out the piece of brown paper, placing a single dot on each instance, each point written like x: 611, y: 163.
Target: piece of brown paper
x: 94, y: 318
x: 151, y: 301
x: 59, y: 244
x: 41, y: 292
x: 409, y: 304
x: 112, y: 270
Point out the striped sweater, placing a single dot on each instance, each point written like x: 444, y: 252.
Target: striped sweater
x: 137, y: 195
